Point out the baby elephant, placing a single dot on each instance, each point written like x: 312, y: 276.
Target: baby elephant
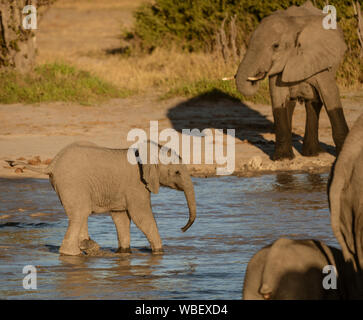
x: 293, y: 270
x: 92, y: 179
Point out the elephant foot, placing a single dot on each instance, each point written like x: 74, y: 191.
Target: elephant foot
x: 283, y: 153
x: 157, y: 251
x: 65, y: 250
x: 311, y: 150
x: 124, y: 250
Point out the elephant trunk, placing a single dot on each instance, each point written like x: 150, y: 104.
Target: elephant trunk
x: 245, y: 72
x: 190, y: 197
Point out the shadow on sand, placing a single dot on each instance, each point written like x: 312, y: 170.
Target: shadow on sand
x: 218, y: 110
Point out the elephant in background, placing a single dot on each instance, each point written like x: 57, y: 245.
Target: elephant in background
x: 346, y: 200
x: 300, y: 58
x: 293, y: 270
x: 92, y: 179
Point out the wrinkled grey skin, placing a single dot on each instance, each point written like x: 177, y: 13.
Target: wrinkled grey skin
x: 346, y: 199
x: 300, y: 58
x: 292, y: 270
x: 92, y: 179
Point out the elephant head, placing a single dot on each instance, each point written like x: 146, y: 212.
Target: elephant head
x: 169, y: 171
x: 293, y: 42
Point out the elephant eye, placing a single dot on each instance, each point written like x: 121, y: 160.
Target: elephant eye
x: 275, y: 46
x: 177, y: 172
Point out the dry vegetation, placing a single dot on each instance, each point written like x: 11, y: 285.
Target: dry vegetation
x: 165, y: 72
x: 86, y: 34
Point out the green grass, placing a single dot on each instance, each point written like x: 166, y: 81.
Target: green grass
x: 217, y: 89
x: 56, y: 82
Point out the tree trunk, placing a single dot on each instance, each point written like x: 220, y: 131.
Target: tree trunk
x: 17, y: 44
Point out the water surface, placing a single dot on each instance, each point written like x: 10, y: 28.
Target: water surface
x: 236, y: 217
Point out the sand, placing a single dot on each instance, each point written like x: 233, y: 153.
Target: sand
x: 33, y: 132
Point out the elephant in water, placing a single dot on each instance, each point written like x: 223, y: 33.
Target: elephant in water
x: 293, y: 270
x: 301, y: 58
x: 346, y: 200
x: 92, y: 179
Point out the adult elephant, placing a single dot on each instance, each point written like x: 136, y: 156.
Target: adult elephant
x: 301, y: 58
x: 346, y: 200
x: 92, y: 179
x: 293, y: 270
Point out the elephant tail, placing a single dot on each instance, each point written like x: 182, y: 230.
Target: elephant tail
x: 46, y: 170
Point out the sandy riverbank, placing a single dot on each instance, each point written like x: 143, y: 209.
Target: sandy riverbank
x: 29, y: 131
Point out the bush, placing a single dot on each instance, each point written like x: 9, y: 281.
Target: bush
x: 55, y: 82
x: 192, y: 25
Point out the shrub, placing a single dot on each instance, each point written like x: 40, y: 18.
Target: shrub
x: 55, y: 82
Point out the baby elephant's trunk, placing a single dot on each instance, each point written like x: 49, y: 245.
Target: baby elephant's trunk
x: 190, y: 196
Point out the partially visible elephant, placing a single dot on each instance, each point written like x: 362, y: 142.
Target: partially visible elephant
x: 301, y: 58
x: 346, y: 199
x: 92, y: 179
x: 293, y: 270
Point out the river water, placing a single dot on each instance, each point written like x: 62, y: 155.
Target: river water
x: 235, y: 218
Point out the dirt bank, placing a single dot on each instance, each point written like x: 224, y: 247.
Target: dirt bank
x: 28, y: 131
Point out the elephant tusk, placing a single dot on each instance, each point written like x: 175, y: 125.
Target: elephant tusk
x: 228, y: 78
x: 257, y: 78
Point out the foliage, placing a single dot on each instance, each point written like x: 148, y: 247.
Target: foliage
x: 192, y: 25
x: 55, y: 82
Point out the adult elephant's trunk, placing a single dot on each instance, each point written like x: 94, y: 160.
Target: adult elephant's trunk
x: 190, y: 197
x: 246, y: 72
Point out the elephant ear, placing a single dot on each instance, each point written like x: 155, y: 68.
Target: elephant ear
x: 316, y: 49
x: 150, y: 176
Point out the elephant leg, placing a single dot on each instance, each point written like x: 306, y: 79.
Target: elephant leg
x: 283, y: 145
x: 83, y: 235
x: 311, y: 146
x: 290, y: 111
x: 329, y: 93
x: 122, y: 223
x: 70, y: 244
x: 282, y: 108
x: 84, y: 240
x: 142, y: 216
x: 339, y: 127
x: 77, y: 212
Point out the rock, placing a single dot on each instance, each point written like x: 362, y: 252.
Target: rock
x: 255, y: 163
x: 18, y: 170
x: 35, y: 161
x: 47, y: 162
